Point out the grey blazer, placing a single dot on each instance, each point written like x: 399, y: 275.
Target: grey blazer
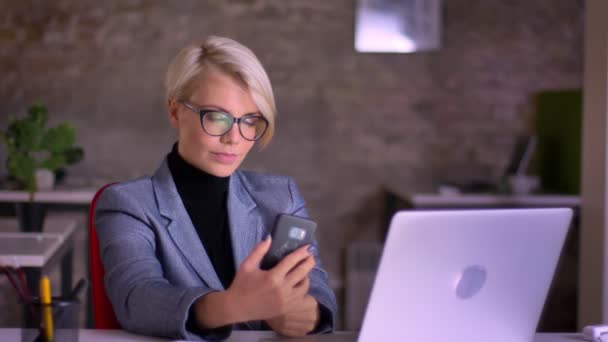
x: 155, y: 264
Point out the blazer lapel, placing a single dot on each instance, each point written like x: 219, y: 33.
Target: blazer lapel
x: 180, y: 227
x: 245, y: 222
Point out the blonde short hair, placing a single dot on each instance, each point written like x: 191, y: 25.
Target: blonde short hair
x: 228, y: 56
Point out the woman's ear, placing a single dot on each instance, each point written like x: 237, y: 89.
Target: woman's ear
x: 173, y: 109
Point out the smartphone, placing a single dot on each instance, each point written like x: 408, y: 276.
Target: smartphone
x: 288, y: 234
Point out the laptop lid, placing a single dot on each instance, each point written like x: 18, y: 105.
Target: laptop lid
x: 467, y: 275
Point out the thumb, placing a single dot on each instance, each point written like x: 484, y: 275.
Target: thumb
x: 257, y: 254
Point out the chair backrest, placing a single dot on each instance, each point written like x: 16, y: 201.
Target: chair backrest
x: 103, y: 313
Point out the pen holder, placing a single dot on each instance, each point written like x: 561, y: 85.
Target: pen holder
x: 64, y: 315
x: 523, y: 184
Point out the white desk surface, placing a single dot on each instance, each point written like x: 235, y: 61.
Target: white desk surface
x: 58, y: 196
x: 53, y: 223
x: 33, y: 249
x: 90, y: 335
x: 481, y: 200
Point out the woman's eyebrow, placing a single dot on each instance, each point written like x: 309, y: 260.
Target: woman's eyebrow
x: 210, y: 106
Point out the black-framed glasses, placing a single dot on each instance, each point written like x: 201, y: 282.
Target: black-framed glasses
x: 217, y: 123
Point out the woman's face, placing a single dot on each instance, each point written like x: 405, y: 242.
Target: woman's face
x: 216, y: 155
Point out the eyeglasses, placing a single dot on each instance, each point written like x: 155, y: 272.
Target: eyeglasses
x: 217, y: 123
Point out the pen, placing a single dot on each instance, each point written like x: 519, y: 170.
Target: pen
x: 78, y: 288
x: 47, y: 312
x: 17, y: 279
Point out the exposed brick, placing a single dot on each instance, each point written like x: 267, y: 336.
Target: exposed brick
x: 348, y: 122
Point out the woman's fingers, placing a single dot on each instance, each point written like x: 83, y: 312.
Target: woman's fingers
x: 300, y: 272
x: 291, y: 260
x: 257, y: 254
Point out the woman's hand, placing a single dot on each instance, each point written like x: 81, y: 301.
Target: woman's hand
x: 256, y: 294
x: 301, y: 319
x: 265, y: 294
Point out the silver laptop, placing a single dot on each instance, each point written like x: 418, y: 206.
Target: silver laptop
x: 465, y: 276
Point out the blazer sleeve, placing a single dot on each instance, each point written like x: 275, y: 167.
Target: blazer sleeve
x: 142, y: 298
x: 319, y: 286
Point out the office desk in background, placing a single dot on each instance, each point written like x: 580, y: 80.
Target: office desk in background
x: 79, y: 196
x: 64, y: 200
x: 396, y: 199
x: 436, y: 201
x: 56, y: 200
x: 38, y: 252
x: 87, y: 335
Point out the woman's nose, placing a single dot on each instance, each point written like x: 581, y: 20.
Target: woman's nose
x: 232, y: 136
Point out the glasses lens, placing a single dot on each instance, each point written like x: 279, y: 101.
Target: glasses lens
x: 253, y: 127
x: 216, y: 123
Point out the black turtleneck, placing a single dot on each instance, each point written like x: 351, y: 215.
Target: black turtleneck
x: 205, y: 197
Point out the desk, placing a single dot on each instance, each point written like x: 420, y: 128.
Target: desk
x: 80, y: 196
x: 396, y: 199
x: 62, y: 198
x: 38, y: 252
x: 88, y: 335
x: 430, y: 201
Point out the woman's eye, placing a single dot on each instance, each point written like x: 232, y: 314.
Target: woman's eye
x: 252, y: 121
x: 216, y: 116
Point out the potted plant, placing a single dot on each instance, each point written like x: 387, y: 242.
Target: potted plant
x: 35, y: 150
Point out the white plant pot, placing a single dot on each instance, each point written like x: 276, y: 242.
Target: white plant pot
x: 45, y: 179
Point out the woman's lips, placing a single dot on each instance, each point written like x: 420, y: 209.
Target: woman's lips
x: 224, y: 158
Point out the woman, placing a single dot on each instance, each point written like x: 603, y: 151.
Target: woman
x: 182, y: 249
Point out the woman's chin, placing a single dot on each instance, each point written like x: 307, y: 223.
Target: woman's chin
x: 221, y: 170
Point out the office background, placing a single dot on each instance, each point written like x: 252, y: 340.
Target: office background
x: 348, y: 122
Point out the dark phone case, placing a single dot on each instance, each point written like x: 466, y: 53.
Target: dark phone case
x: 289, y: 233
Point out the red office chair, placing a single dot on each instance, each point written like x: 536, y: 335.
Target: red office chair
x: 103, y: 314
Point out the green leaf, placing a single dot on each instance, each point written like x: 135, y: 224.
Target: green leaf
x: 30, y: 145
x: 58, y: 139
x: 27, y: 134
x: 38, y: 113
x: 53, y: 162
x: 21, y: 167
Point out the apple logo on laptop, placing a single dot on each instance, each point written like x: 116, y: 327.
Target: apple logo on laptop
x: 471, y: 281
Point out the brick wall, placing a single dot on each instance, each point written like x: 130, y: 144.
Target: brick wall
x: 349, y: 122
